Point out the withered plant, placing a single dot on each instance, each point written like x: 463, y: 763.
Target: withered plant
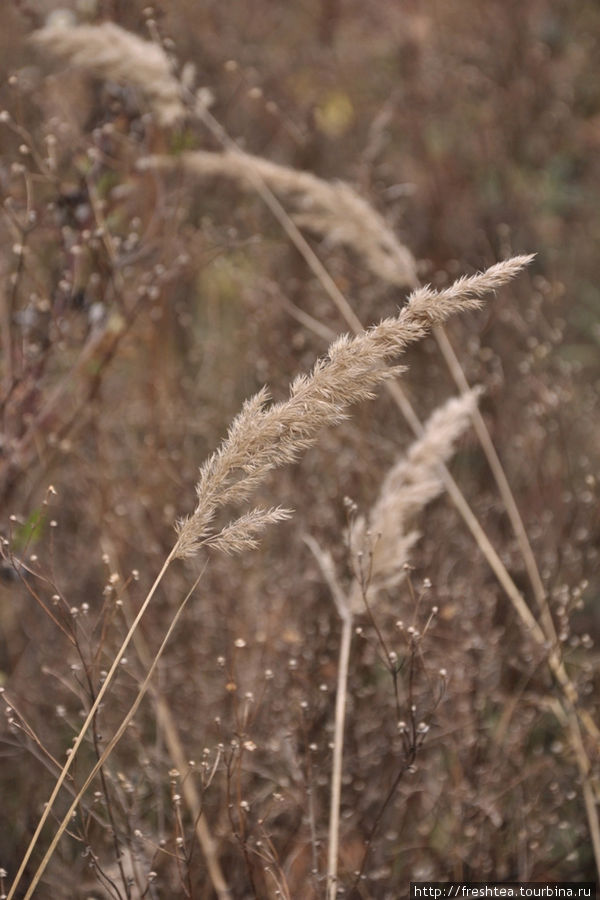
x: 295, y: 694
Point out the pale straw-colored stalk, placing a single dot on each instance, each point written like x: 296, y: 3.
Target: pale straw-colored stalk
x: 84, y: 728
x: 106, y: 753
x: 335, y: 799
x: 168, y: 728
x: 410, y: 484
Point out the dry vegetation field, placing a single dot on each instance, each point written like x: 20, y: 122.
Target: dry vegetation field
x: 325, y: 637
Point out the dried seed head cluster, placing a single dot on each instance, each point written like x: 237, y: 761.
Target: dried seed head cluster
x: 264, y: 437
x: 331, y: 209
x: 385, y: 536
x: 112, y: 53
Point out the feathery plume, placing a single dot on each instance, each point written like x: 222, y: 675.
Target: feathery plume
x: 243, y: 533
x: 263, y: 437
x: 109, y: 52
x: 385, y: 537
x: 331, y: 209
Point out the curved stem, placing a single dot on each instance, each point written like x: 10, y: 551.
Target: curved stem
x: 83, y: 731
x: 120, y: 731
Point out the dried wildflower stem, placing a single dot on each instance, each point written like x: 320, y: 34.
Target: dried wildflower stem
x: 27, y: 729
x: 166, y: 723
x: 190, y: 794
x: 548, y: 633
x: 113, y: 741
x: 93, y: 710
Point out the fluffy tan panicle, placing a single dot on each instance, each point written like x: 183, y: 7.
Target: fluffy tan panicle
x: 263, y: 437
x: 331, y: 209
x: 109, y: 52
x: 386, y: 537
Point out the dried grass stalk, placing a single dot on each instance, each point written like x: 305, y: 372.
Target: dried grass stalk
x: 109, y: 52
x: 386, y: 537
x: 264, y: 437
x: 415, y: 480
x: 331, y: 209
